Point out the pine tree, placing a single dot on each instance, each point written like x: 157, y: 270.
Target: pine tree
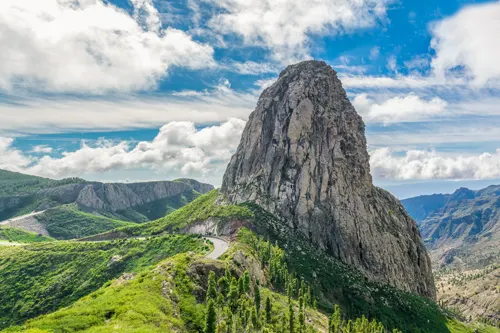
x: 289, y: 290
x: 308, y: 296
x: 291, y: 318
x: 269, y: 309
x: 335, y: 320
x: 256, y: 293
x: 246, y: 281
x: 241, y: 286
x: 228, y: 273
x: 254, y: 318
x: 210, y: 317
x: 211, y: 291
x: 233, y: 295
x: 301, y: 314
x: 223, y: 285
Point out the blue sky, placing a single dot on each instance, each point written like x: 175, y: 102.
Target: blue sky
x: 146, y: 90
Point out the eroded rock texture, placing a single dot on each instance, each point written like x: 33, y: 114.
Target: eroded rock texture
x: 303, y: 157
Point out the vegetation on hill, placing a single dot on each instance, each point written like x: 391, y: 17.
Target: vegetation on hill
x: 41, y: 278
x: 67, y: 222
x: 472, y: 294
x: 200, y: 209
x: 160, y: 208
x: 21, y: 236
x: 333, y: 282
x: 270, y: 280
x: 13, y: 183
x: 250, y: 290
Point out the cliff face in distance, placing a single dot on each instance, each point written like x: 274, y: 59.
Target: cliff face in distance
x: 303, y: 157
x: 462, y: 228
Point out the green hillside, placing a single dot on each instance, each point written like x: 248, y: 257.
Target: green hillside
x: 42, y: 278
x: 200, y: 209
x: 67, y: 222
x: 251, y: 289
x: 14, y: 183
x: 21, y: 236
x: 161, y: 208
x: 333, y: 281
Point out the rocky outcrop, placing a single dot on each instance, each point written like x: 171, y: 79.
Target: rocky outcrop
x: 303, y: 158
x: 118, y: 196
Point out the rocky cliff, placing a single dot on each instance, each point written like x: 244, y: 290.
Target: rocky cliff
x: 114, y: 197
x: 303, y: 157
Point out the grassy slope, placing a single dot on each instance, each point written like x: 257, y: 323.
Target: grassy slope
x: 13, y: 183
x: 198, y: 210
x: 171, y: 298
x: 42, y: 278
x: 21, y: 236
x: 24, y: 187
x: 67, y: 222
x: 334, y: 281
x: 160, y: 208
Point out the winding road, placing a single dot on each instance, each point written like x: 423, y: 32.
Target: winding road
x: 220, y: 247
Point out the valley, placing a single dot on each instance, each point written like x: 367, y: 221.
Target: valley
x: 462, y: 233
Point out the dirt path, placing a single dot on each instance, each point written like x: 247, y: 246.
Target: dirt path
x: 17, y: 218
x: 7, y: 243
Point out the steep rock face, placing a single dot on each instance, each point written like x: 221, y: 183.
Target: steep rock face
x: 303, y: 157
x: 114, y: 197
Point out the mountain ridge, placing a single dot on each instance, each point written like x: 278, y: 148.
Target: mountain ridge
x: 464, y: 224
x: 113, y: 204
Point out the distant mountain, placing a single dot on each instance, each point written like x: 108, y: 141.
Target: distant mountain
x: 464, y: 224
x: 75, y: 207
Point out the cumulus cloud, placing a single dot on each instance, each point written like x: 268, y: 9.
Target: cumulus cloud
x: 470, y: 40
x: 406, y: 108
x: 284, y: 27
x: 90, y: 46
x: 42, y: 149
x: 11, y: 158
x: 423, y: 164
x: 179, y: 148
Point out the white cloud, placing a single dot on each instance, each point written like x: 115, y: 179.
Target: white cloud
x: 90, y: 46
x: 10, y: 158
x: 252, y: 68
x: 285, y: 26
x: 47, y: 115
x: 406, y: 108
x: 178, y: 149
x: 42, y: 149
x: 469, y: 39
x: 392, y: 64
x: 419, y: 62
x: 423, y: 164
x: 374, y: 52
x: 399, y: 82
x: 264, y: 83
